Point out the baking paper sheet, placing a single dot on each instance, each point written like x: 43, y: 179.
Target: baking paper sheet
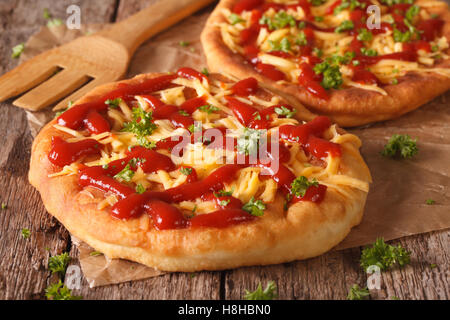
x: 396, y: 205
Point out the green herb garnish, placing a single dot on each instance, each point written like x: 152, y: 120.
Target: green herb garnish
x: 208, y: 108
x: 114, y: 103
x: 248, y: 142
x: 357, y: 293
x: 283, y: 111
x: 269, y: 293
x: 235, y: 19
x: 59, y: 291
x: 17, y: 50
x: 255, y: 207
x: 301, y: 184
x: 59, y: 263
x: 140, y: 188
x: 400, y: 144
x: 125, y: 175
x: 25, y: 233
x: 344, y: 26
x: 186, y: 171
x: 384, y: 255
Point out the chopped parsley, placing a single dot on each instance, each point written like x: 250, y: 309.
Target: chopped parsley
x: 430, y: 202
x: 223, y: 193
x: 280, y: 20
x: 114, y: 103
x: 25, y: 233
x: 184, y: 43
x: 433, y: 265
x: 224, y: 203
x: 141, y: 126
x: 412, y: 12
x: 344, y: 26
x: 301, y: 184
x: 51, y: 22
x: 234, y: 19
x: 95, y: 253
x: 348, y: 4
x: 317, y: 3
x: 4, y: 206
x: 401, y: 36
x: 17, y: 50
x: 248, y: 142
x: 269, y: 293
x: 186, y: 171
x: 183, y: 112
x: 125, y: 175
x: 364, y: 35
x: 394, y: 81
x: 394, y: 2
x: 355, y: 62
x: 59, y: 291
x: 301, y: 39
x: 357, y: 293
x: 59, y: 263
x: 400, y: 144
x: 332, y: 77
x: 283, y: 111
x: 369, y: 52
x: 318, y: 52
x: 205, y: 72
x: 140, y: 188
x: 194, y: 128
x: 318, y: 19
x: 208, y: 108
x: 255, y: 208
x: 384, y: 255
x: 284, y: 45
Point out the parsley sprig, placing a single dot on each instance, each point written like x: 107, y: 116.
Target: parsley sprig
x: 59, y: 263
x: 384, y: 255
x: 280, y: 20
x: 142, y: 126
x: 59, y: 291
x: 400, y: 144
x: 255, y: 207
x: 248, y: 142
x: 301, y: 184
x: 269, y: 293
x: 357, y: 293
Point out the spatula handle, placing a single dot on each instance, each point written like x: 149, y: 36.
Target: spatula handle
x: 136, y: 29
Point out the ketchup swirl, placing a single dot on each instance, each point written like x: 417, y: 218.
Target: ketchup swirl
x: 159, y: 204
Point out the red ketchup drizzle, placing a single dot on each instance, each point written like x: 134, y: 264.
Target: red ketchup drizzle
x: 246, y: 5
x: 306, y: 135
x: 221, y: 218
x: 158, y: 204
x: 64, y: 153
x: 311, y: 81
x: 193, y: 104
x: 75, y: 116
x: 270, y: 71
x: 167, y: 111
x: 189, y: 73
x: 245, y: 87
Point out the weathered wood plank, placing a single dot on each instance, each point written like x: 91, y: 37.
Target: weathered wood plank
x: 331, y: 275
x: 23, y: 267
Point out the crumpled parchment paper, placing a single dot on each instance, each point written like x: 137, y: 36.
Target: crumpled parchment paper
x: 396, y: 205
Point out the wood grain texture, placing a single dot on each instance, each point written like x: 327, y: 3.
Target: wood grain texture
x: 23, y: 267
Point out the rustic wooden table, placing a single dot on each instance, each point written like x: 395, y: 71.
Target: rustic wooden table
x: 23, y: 264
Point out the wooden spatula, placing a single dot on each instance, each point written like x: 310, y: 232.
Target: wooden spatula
x: 91, y: 60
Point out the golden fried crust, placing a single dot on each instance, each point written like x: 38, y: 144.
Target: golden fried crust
x: 306, y: 230
x: 347, y: 107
